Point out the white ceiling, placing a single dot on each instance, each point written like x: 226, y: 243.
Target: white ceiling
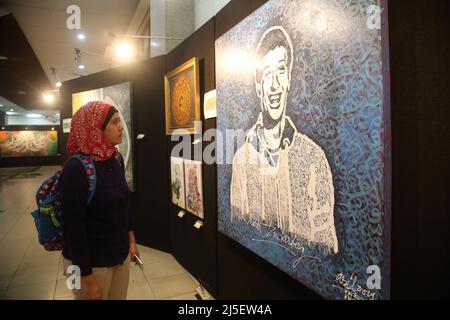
x: 44, y: 25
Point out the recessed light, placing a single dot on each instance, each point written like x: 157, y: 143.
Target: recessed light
x: 11, y: 110
x: 34, y: 115
x: 81, y: 36
x: 1, y: 105
x: 58, y: 84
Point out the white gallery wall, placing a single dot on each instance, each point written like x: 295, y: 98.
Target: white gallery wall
x: 206, y: 9
x: 171, y: 19
x: 178, y: 19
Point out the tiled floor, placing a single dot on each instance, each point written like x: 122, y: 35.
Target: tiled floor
x: 27, y: 271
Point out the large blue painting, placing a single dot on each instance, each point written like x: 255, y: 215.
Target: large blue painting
x: 302, y: 87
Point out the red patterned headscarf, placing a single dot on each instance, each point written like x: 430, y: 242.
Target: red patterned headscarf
x: 86, y: 135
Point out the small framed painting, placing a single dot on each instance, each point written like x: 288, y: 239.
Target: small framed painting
x: 177, y: 181
x: 182, y: 90
x: 194, y: 187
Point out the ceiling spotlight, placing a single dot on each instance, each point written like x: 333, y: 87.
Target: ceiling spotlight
x: 81, y: 36
x: 12, y: 110
x: 48, y: 98
x: 124, y: 51
x: 53, y: 129
x: 81, y: 66
x: 58, y: 84
x: 1, y: 105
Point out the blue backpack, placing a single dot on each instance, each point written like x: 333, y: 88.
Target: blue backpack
x: 48, y: 216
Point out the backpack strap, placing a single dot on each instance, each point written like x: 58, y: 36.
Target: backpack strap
x: 91, y: 175
x: 119, y: 159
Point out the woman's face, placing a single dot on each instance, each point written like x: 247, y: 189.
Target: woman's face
x: 114, y: 130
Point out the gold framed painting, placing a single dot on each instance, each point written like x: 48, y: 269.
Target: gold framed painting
x: 182, y: 90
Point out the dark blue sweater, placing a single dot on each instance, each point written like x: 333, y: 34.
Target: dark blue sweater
x: 95, y: 235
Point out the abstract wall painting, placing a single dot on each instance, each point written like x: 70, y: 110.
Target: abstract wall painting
x: 28, y: 143
x: 177, y: 181
x: 308, y: 187
x: 119, y: 96
x: 194, y: 187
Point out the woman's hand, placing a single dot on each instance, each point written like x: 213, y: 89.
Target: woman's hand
x: 134, y: 251
x: 90, y: 288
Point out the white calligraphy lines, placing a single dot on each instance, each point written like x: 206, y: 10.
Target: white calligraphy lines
x: 351, y: 290
x: 285, y: 241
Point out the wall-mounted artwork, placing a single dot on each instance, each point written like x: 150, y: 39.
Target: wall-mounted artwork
x: 182, y: 89
x: 119, y: 96
x: 210, y: 105
x: 177, y: 181
x: 302, y: 85
x: 194, y: 187
x: 28, y: 143
x: 66, y: 125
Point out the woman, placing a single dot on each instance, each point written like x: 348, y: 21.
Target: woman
x: 98, y: 236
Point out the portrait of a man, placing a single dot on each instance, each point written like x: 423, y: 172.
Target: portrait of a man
x: 303, y: 108
x: 281, y: 177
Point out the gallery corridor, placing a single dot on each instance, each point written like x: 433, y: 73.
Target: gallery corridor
x: 28, y: 272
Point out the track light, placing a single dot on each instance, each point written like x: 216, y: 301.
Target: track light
x: 78, y: 59
x: 55, y: 76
